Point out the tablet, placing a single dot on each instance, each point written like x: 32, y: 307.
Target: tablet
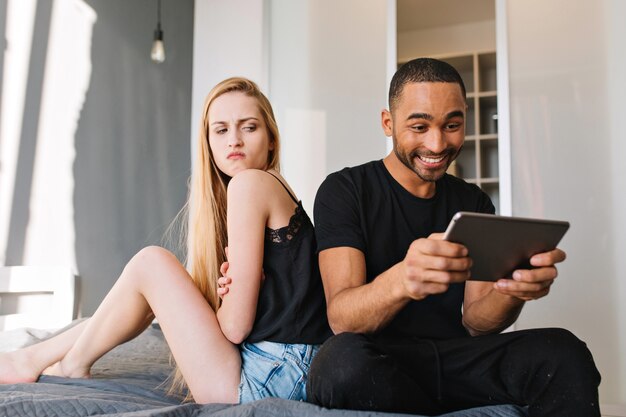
x: 498, y: 245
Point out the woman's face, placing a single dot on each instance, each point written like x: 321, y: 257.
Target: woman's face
x: 238, y: 136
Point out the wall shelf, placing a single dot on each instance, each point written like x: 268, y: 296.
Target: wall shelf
x: 478, y: 162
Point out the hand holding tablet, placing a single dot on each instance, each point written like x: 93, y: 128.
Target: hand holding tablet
x: 498, y: 245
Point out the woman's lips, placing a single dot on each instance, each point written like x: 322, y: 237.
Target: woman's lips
x: 236, y: 155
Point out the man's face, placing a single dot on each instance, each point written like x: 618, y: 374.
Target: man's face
x: 427, y: 125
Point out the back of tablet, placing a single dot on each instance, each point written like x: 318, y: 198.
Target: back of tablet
x: 498, y: 245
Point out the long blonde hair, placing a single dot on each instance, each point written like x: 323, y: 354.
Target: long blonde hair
x: 206, y: 205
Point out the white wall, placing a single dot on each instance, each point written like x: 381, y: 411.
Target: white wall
x: 228, y: 42
x: 615, y: 15
x: 447, y: 40
x: 326, y: 79
x: 328, y: 83
x: 94, y: 154
x: 20, y: 21
x: 567, y: 108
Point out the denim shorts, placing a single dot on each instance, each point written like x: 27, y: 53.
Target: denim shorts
x: 270, y: 369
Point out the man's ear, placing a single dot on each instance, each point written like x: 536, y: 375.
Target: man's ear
x: 386, y: 122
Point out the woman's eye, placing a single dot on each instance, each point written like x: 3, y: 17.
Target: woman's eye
x: 220, y: 131
x: 250, y: 128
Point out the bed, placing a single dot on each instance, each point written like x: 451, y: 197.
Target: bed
x: 129, y: 382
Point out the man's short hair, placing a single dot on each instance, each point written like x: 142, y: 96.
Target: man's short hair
x: 422, y: 70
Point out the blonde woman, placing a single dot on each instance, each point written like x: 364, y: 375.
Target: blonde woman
x: 258, y: 339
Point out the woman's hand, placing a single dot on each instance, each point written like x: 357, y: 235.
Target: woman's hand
x: 223, y: 282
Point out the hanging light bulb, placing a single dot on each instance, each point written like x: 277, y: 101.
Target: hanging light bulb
x: 157, y: 54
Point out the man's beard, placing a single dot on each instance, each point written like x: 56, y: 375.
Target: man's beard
x: 426, y: 175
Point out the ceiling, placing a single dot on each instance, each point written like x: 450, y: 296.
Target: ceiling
x: 425, y: 14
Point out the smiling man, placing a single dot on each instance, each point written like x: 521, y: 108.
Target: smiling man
x: 413, y: 335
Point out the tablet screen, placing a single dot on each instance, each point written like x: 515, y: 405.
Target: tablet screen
x: 498, y: 245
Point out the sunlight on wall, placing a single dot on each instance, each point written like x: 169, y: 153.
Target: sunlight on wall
x: 20, y: 19
x: 51, y: 231
x: 45, y: 78
x: 567, y: 148
x: 615, y: 12
x: 39, y: 297
x: 303, y: 152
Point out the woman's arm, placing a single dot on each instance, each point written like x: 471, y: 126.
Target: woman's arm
x: 247, y: 215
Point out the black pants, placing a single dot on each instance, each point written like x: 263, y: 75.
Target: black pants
x: 549, y: 370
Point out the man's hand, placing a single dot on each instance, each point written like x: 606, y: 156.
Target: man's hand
x: 355, y: 305
x: 531, y: 284
x: 432, y: 264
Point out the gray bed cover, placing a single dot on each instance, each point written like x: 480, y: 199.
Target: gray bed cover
x: 128, y: 381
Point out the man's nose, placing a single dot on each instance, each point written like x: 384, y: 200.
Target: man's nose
x: 435, y: 141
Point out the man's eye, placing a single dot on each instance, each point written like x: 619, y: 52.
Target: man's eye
x: 453, y: 126
x: 419, y: 128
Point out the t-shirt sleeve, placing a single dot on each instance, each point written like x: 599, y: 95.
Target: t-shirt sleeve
x: 484, y: 204
x: 337, y: 215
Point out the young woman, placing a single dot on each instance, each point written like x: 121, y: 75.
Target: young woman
x: 259, y: 338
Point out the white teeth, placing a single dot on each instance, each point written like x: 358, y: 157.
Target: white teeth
x: 431, y: 160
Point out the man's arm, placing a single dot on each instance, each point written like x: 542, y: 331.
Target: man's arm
x: 353, y: 305
x: 492, y: 307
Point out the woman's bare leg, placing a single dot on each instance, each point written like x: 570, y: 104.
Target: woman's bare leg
x: 55, y: 368
x: 155, y: 281
x: 26, y: 364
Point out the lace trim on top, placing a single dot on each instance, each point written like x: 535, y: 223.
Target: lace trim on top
x: 286, y: 233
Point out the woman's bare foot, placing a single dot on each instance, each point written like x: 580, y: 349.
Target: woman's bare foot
x: 58, y: 369
x: 53, y: 370
x: 17, y: 367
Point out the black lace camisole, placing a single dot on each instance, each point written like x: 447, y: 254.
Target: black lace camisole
x: 291, y: 306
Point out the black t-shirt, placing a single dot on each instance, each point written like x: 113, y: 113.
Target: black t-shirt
x: 364, y: 207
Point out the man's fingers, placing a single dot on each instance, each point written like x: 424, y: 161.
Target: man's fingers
x: 435, y: 247
x: 512, y: 285
x: 536, y: 275
x: 440, y: 263
x: 433, y: 282
x: 428, y: 276
x: 525, y: 295
x: 548, y: 258
x: 446, y: 277
x: 431, y: 265
x: 523, y: 290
